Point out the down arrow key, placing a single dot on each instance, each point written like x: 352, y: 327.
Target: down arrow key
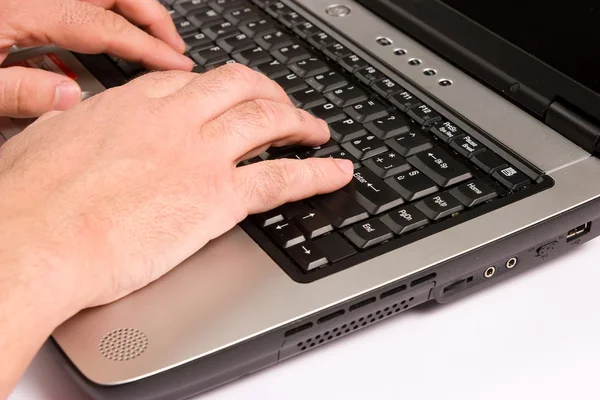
x: 307, y: 256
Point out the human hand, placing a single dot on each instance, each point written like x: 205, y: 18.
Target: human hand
x: 85, y: 26
x: 115, y: 192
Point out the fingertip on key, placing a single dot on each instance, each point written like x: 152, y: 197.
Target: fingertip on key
x: 345, y: 165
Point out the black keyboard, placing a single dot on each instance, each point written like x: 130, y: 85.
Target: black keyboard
x: 416, y: 172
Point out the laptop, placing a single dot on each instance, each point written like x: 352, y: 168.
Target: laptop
x: 474, y: 130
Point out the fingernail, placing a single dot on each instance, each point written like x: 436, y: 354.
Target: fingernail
x: 345, y: 165
x: 67, y: 95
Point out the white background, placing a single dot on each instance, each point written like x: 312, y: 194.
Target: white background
x: 534, y: 336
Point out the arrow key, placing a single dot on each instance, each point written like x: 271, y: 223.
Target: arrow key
x: 308, y: 256
x: 285, y: 234
x: 313, y: 224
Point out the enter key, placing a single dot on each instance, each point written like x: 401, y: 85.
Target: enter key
x: 372, y: 192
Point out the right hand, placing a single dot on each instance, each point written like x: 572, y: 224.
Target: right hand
x: 84, y: 26
x: 104, y: 198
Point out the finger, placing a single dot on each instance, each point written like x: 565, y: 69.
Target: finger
x: 256, y: 123
x: 212, y: 93
x: 30, y: 92
x: 149, y: 14
x: 85, y: 28
x: 269, y: 184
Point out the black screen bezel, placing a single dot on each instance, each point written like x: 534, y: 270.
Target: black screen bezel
x: 486, y: 56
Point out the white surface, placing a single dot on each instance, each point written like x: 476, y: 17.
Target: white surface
x: 534, y: 336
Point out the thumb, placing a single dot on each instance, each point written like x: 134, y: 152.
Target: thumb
x: 30, y: 92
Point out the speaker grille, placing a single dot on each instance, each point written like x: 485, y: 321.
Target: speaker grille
x: 123, y: 344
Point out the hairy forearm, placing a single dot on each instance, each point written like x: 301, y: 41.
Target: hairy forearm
x: 33, y: 302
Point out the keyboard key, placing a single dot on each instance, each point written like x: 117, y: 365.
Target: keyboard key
x: 424, y: 115
x: 412, y: 185
x: 386, y: 87
x: 320, y: 40
x: 236, y: 43
x: 474, y: 193
x: 308, y: 256
x: 511, y: 177
x: 368, y: 233
x: 291, y: 54
x: 440, y: 167
x: 241, y: 15
x: 268, y: 218
x: 313, y: 224
x: 336, y: 51
x: 220, y: 29
x: 184, y: 27
x: 273, y: 69
x: 307, y: 98
x: 404, y: 220
x: 368, y: 75
x: 291, y: 83
x: 334, y: 247
x: 367, y: 110
x: 324, y: 150
x: 309, y: 67
x: 262, y: 26
x: 440, y: 206
x: 365, y: 146
x: 488, y: 161
x: 348, y: 129
x: 221, y: 5
x: 306, y: 29
x: 389, y: 126
x: 277, y: 8
x: 410, y: 143
x: 210, y: 56
x: 252, y: 57
x: 217, y: 64
x: 467, y: 146
x: 339, y: 208
x: 352, y: 62
x: 387, y: 164
x: 446, y: 131
x: 404, y: 100
x: 285, y: 235
x: 372, y: 193
x: 203, y: 17
x: 328, y: 112
x: 291, y: 19
x: 294, y: 209
x: 196, y: 41
x: 274, y: 41
x: 343, y: 154
x: 346, y: 96
x: 328, y: 81
x: 186, y: 7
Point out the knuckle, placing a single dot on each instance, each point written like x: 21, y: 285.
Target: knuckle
x: 269, y: 184
x: 263, y: 112
x: 237, y: 74
x: 114, y: 23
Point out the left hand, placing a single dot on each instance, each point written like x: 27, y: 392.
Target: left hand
x: 84, y: 26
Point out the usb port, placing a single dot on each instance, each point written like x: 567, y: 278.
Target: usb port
x: 578, y: 232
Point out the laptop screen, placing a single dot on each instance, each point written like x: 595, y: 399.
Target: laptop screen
x: 563, y: 35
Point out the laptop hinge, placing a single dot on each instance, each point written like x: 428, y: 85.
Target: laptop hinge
x: 575, y: 125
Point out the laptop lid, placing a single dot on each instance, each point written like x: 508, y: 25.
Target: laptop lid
x: 540, y: 55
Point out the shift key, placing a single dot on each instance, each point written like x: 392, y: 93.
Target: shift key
x: 440, y: 167
x: 339, y: 208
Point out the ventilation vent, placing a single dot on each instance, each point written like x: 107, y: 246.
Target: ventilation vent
x: 354, y: 325
x: 123, y: 344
